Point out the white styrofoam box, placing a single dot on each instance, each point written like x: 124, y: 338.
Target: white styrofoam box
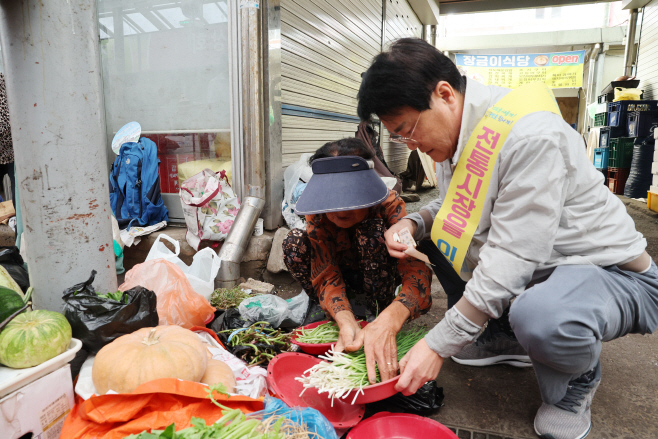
x: 653, y: 189
x: 655, y: 180
x: 655, y: 155
x: 38, y: 408
x: 654, y: 168
x: 12, y: 379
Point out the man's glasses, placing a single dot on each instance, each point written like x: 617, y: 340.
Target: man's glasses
x: 396, y: 138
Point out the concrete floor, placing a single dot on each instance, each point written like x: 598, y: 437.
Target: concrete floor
x: 500, y: 402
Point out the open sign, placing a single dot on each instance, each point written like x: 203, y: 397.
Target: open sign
x: 565, y: 59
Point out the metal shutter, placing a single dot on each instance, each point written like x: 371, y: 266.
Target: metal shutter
x: 325, y: 46
x: 647, y: 61
x: 401, y: 22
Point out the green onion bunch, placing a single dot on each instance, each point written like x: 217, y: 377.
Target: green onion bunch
x: 344, y: 372
x: 324, y: 333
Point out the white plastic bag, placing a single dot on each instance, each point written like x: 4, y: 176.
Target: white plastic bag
x: 297, y: 307
x: 275, y: 310
x: 300, y: 170
x: 201, y: 274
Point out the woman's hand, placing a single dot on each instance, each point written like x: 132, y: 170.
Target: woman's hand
x: 348, y: 329
x: 420, y: 365
x: 396, y: 249
x: 379, y: 341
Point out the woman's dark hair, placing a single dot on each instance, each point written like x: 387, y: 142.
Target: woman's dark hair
x: 405, y: 76
x: 346, y: 146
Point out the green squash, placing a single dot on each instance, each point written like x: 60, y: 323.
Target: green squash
x: 10, y: 302
x: 32, y: 338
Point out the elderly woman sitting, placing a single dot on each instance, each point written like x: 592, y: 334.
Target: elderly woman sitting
x: 342, y: 261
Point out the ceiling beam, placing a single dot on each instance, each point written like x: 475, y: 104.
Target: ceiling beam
x: 470, y: 6
x: 610, y: 35
x: 427, y: 11
x: 634, y: 4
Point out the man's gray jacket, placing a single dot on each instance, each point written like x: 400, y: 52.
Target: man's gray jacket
x: 546, y: 206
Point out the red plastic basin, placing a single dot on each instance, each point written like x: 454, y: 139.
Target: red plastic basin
x: 400, y: 426
x: 375, y: 392
x: 314, y: 349
x: 287, y: 369
x: 281, y: 374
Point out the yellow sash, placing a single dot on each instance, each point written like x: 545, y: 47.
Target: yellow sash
x: 459, y: 216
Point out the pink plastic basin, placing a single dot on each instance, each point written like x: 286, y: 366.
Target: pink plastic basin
x: 375, y: 392
x: 314, y: 349
x: 281, y: 374
x: 400, y: 426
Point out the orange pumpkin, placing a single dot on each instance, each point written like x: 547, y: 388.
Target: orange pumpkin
x: 219, y: 372
x: 148, y: 354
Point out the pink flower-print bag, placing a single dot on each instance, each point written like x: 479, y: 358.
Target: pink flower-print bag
x: 209, y: 206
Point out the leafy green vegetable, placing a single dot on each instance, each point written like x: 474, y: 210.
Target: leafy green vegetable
x: 232, y: 425
x: 224, y: 298
x: 117, y: 295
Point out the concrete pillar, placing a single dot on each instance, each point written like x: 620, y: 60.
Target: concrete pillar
x: 52, y: 69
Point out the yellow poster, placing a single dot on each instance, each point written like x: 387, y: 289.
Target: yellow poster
x: 556, y: 70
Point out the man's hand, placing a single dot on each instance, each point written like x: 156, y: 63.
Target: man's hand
x: 379, y: 341
x: 348, y: 330
x: 420, y: 365
x: 396, y: 249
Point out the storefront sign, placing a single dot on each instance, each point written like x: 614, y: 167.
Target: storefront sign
x: 557, y: 70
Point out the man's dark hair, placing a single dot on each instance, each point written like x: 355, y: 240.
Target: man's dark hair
x: 405, y: 76
x: 346, y: 146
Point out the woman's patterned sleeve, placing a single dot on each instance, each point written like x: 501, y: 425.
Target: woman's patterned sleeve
x: 325, y: 274
x: 416, y: 286
x: 416, y: 275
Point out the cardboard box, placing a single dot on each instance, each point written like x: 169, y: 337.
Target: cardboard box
x: 7, y: 210
x: 39, y: 407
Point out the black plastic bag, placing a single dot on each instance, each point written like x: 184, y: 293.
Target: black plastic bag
x: 77, y: 362
x: 97, y: 321
x: 314, y: 314
x: 231, y: 319
x: 426, y: 400
x: 11, y: 259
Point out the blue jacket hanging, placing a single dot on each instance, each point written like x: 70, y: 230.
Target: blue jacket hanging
x: 135, y: 194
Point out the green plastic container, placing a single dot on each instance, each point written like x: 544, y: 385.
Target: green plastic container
x: 599, y: 119
x: 621, y: 152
